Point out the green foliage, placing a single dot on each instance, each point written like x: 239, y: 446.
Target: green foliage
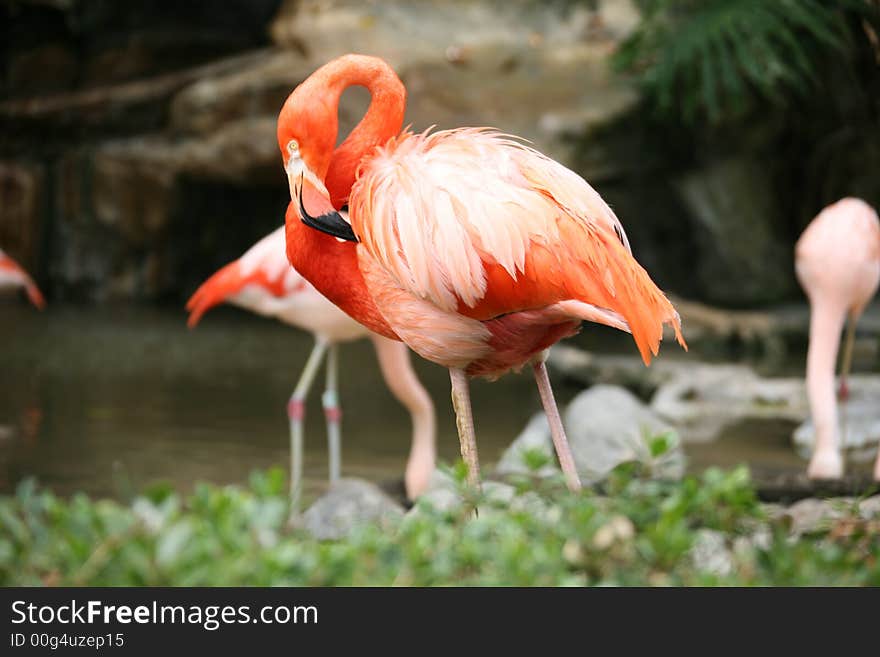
x: 640, y: 532
x: 716, y: 59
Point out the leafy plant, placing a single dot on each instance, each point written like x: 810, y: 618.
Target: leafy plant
x: 716, y: 59
x: 643, y: 532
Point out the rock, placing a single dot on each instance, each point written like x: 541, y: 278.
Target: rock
x: 859, y: 419
x: 252, y: 91
x: 811, y: 515
x: 533, y: 440
x: 606, y: 426
x: 741, y: 258
x: 349, y: 504
x: 702, y: 399
x: 538, y: 71
x: 710, y: 554
x: 870, y: 508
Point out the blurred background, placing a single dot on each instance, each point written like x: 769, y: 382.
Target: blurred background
x: 138, y: 155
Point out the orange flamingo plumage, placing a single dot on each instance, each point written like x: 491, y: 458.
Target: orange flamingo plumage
x: 472, y: 248
x: 13, y: 276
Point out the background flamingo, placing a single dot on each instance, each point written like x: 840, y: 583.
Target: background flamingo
x: 837, y: 260
x: 475, y: 250
x: 262, y: 281
x: 13, y: 276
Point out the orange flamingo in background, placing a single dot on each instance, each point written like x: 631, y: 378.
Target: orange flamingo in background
x: 262, y: 281
x: 475, y: 250
x: 13, y: 276
x: 837, y: 260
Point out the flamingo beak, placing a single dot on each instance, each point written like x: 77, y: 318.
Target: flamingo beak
x: 313, y: 201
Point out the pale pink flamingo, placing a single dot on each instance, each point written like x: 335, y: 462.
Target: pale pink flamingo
x: 262, y: 281
x: 13, y: 276
x: 837, y: 260
x: 472, y: 248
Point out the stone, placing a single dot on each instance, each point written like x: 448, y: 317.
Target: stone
x: 530, y: 69
x: 813, y: 515
x: 710, y: 554
x: 535, y: 437
x: 350, y: 504
x: 859, y: 419
x: 701, y: 400
x: 606, y: 426
x: 869, y: 509
x: 252, y: 91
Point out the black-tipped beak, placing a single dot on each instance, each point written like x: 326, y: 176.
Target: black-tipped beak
x: 330, y: 222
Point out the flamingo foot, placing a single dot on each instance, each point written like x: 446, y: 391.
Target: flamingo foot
x: 825, y: 464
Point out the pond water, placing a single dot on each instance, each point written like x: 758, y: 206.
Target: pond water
x: 108, y: 400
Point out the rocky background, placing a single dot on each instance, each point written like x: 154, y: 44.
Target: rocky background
x: 137, y: 148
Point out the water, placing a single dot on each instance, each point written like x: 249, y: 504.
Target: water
x: 108, y: 400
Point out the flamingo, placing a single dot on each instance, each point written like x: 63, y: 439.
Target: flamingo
x: 837, y: 261
x: 263, y: 282
x: 13, y: 276
x: 474, y: 249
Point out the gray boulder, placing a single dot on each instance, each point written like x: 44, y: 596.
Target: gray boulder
x: 532, y: 69
x: 702, y: 399
x: 349, y: 504
x: 606, y: 426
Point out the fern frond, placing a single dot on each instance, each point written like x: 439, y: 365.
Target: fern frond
x: 714, y: 58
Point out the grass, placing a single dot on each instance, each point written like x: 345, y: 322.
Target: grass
x: 707, y: 530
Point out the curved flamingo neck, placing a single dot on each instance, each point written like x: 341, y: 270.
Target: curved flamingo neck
x: 383, y: 120
x: 330, y: 265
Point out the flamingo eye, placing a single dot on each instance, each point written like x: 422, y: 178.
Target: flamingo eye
x: 293, y: 148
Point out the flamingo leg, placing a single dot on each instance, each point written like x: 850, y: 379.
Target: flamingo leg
x: 400, y: 377
x: 333, y: 414
x: 296, y: 413
x: 464, y: 420
x: 846, y: 358
x: 557, y: 431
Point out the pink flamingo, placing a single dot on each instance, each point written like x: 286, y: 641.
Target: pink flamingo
x: 837, y: 260
x: 13, y: 276
x: 262, y: 281
x: 475, y: 250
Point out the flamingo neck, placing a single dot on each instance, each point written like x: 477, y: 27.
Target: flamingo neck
x: 383, y: 119
x: 826, y: 323
x: 330, y: 265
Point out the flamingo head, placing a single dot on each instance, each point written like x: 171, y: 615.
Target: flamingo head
x: 306, y: 138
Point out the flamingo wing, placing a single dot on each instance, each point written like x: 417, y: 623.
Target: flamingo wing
x: 264, y: 266
x: 480, y: 224
x: 13, y: 272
